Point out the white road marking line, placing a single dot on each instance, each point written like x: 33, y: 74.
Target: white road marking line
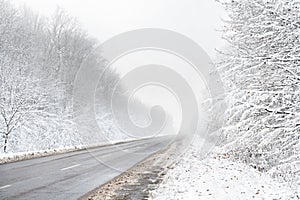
x: 5, y: 186
x: 70, y: 167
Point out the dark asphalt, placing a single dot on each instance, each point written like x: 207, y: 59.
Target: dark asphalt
x: 71, y: 175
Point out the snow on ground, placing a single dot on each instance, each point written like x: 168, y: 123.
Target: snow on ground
x: 219, y: 178
x: 13, y: 157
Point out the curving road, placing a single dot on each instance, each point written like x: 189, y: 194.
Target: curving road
x: 71, y: 175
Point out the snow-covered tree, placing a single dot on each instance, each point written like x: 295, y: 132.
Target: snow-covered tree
x: 21, y: 99
x: 39, y: 59
x: 261, y: 69
x: 22, y: 102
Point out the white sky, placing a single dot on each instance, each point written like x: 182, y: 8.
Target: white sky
x: 197, y: 19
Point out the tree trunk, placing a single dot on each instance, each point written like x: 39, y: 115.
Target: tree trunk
x: 5, y: 143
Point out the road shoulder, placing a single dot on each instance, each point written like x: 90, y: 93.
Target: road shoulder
x: 137, y: 182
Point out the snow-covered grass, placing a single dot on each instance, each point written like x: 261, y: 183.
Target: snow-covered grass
x: 216, y: 177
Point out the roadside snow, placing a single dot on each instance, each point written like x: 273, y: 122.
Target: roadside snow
x: 218, y: 178
x: 13, y: 157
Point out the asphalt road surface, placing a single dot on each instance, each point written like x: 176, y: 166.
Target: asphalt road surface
x: 71, y: 175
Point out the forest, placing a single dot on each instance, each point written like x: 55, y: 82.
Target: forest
x: 39, y: 58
